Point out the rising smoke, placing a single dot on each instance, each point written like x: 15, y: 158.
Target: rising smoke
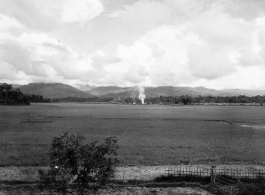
x: 141, y: 94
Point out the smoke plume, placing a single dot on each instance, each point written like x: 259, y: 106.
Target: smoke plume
x: 141, y: 94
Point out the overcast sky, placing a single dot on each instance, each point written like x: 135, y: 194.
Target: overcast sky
x: 211, y: 43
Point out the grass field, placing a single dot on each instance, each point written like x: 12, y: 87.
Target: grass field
x: 147, y: 135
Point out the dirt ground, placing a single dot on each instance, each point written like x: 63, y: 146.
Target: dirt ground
x: 125, y: 191
x: 157, y: 191
x: 13, y: 173
x: 30, y: 174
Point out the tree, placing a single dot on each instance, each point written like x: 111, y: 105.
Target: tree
x: 185, y: 100
x: 11, y: 96
x: 79, y: 167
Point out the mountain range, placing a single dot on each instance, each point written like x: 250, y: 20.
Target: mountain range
x: 53, y: 90
x: 59, y: 90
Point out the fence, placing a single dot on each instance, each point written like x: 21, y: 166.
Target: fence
x: 228, y: 186
x: 225, y: 179
x: 233, y: 174
x: 188, y: 171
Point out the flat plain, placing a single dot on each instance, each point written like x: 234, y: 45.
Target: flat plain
x: 147, y: 134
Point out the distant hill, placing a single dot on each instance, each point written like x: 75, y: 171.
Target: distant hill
x: 53, y: 90
x: 16, y: 85
x: 123, y: 92
x: 84, y: 87
x: 103, y: 91
x: 245, y: 92
x: 59, y: 90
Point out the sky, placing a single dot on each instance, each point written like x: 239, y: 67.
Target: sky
x: 218, y: 44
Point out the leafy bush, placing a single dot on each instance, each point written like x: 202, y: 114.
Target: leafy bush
x: 79, y: 167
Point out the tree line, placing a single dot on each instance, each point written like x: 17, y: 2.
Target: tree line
x: 12, y: 96
x: 186, y: 100
x: 82, y: 99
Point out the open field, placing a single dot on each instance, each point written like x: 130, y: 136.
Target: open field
x: 147, y: 135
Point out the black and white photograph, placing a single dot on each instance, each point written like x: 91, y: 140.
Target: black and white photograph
x: 132, y: 97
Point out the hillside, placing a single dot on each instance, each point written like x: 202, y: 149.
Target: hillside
x: 53, y: 90
x: 84, y: 87
x: 245, y: 92
x: 59, y: 90
x: 109, y: 90
x: 123, y: 92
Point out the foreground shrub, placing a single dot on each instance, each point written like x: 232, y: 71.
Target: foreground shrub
x: 78, y: 167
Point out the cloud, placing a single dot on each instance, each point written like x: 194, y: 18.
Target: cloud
x: 166, y: 68
x: 40, y: 55
x: 145, y: 42
x: 249, y: 58
x: 49, y: 15
x: 31, y: 13
x: 7, y: 23
x: 208, y: 62
x: 139, y: 53
x: 217, y: 27
x: 250, y: 77
x: 7, y: 71
x: 133, y: 75
x: 100, y: 59
x: 81, y: 10
x: 246, y: 9
x: 21, y: 58
x: 211, y: 45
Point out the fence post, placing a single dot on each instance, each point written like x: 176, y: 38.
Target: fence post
x: 168, y: 171
x: 212, y: 175
x: 238, y: 176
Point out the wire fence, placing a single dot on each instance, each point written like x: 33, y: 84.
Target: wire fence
x: 242, y: 173
x: 226, y: 185
x: 188, y: 171
x: 225, y: 178
x: 233, y: 174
